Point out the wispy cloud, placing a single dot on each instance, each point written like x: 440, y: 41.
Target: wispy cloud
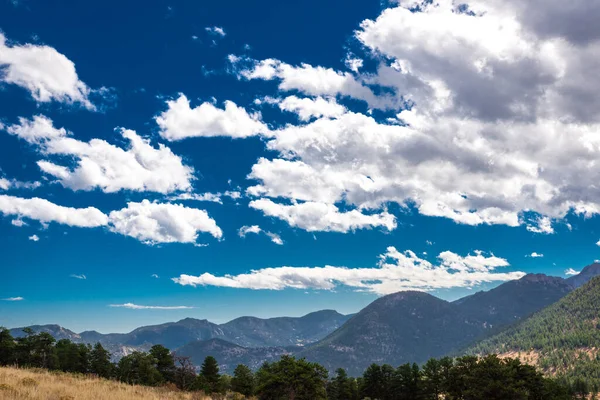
x: 571, y: 271
x: 132, y: 306
x: 78, y: 276
x: 19, y: 298
x: 244, y: 230
x: 215, y: 30
x: 155, y: 276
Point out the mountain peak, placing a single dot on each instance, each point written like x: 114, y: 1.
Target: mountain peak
x: 585, y: 275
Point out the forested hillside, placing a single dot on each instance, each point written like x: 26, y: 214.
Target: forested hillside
x: 562, y: 339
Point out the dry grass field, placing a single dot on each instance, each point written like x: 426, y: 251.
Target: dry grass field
x: 43, y: 385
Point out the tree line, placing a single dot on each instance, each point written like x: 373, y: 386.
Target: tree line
x: 464, y: 378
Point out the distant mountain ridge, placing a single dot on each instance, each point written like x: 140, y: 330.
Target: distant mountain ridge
x: 397, y: 328
x: 243, y: 331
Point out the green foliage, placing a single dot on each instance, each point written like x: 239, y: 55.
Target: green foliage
x: 243, y: 380
x: 342, y: 387
x: 72, y: 357
x: 7, y: 347
x: 139, y: 368
x: 165, y: 363
x: 209, y: 379
x: 562, y: 335
x: 466, y: 378
x: 100, y: 363
x: 291, y: 378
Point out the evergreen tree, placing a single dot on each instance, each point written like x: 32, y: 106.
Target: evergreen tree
x: 373, y: 383
x: 100, y: 363
x: 7, y: 347
x: 209, y: 377
x: 165, y: 363
x: 243, y: 380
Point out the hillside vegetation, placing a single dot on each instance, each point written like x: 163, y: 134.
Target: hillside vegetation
x: 34, y: 384
x: 562, y: 339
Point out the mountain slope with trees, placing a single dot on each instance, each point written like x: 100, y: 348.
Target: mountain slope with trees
x: 562, y: 339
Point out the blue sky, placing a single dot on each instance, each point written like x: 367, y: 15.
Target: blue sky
x: 341, y: 150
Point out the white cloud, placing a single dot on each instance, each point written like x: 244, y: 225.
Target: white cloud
x: 543, y: 225
x: 314, y: 81
x: 47, y: 74
x: 210, y: 197
x: 132, y: 306
x: 307, y: 108
x: 7, y: 184
x: 37, y: 130
x: 44, y: 211
x: 215, y: 30
x: 501, y: 119
x: 14, y: 299
x: 154, y: 276
x: 571, y: 271
x: 99, y: 164
x: 153, y: 223
x: 77, y: 276
x: 353, y: 63
x: 536, y: 255
x: 314, y: 216
x: 395, y: 272
x: 148, y: 222
x: 244, y: 230
x: 18, y: 222
x: 598, y: 243
x: 34, y: 238
x: 275, y: 238
x: 180, y: 121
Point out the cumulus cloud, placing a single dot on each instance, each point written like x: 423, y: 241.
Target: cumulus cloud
x: 571, y: 271
x: 132, y: 306
x: 496, y: 116
x: 45, y: 211
x: 244, y: 230
x: 34, y: 238
x: 536, y: 255
x: 396, y: 271
x: 180, y: 121
x: 153, y: 223
x: 314, y: 216
x: 47, y: 74
x: 19, y: 298
x: 99, y: 164
x: 148, y: 222
x: 78, y: 276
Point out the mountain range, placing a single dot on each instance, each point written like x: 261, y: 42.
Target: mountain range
x: 394, y: 329
x: 244, y: 331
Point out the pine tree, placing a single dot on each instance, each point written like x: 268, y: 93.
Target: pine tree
x: 100, y: 362
x: 209, y: 377
x: 243, y: 380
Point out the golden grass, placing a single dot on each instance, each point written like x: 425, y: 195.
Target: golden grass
x: 17, y: 384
